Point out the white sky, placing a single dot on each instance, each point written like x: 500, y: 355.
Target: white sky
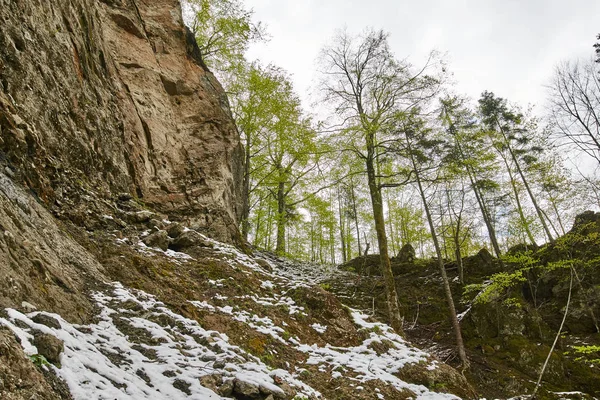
x: 509, y: 47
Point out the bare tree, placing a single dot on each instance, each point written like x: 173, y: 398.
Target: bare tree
x: 575, y: 106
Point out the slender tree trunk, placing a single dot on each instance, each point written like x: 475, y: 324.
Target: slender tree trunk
x: 312, y: 239
x: 355, y: 213
x: 246, y: 191
x: 459, y: 261
x: 513, y: 184
x: 392, y: 239
x: 558, y: 217
x: 342, y: 227
x: 281, y: 219
x: 486, y: 217
x: 269, y: 226
x: 456, y: 235
x: 539, y: 381
x: 522, y: 175
x: 451, y: 308
x: 386, y: 268
x: 257, y: 238
x: 485, y: 214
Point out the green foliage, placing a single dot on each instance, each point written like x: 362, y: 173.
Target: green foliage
x: 39, y: 360
x: 589, y: 354
x: 223, y: 30
x: 499, y: 285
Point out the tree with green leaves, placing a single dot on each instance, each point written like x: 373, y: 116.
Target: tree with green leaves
x: 366, y: 86
x: 470, y: 153
x: 223, y: 29
x: 513, y: 137
x: 418, y: 143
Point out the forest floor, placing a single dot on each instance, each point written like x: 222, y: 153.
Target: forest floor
x: 210, y: 321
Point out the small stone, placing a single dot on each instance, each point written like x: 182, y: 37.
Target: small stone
x: 226, y: 389
x: 47, y: 320
x: 183, y: 386
x: 10, y: 240
x: 288, y: 392
x: 208, y: 357
x: 28, y: 307
x: 124, y: 196
x: 156, y: 224
x: 49, y: 346
x: 244, y: 388
x: 158, y: 239
x: 270, y: 391
x: 211, y: 382
x: 220, y: 364
x: 175, y: 230
x: 140, y: 217
x: 264, y: 264
x: 189, y: 239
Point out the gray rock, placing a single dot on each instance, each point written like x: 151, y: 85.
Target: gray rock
x: 189, y: 239
x: 226, y: 389
x: 158, y: 239
x: 175, y: 229
x: 47, y: 320
x: 212, y: 382
x: 264, y: 264
x: 244, y: 388
x: 288, y: 392
x: 156, y: 224
x: 49, y: 346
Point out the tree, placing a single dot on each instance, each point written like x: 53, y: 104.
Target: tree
x: 497, y: 117
x: 223, y: 29
x: 471, y: 154
x: 597, y: 47
x: 366, y: 86
x: 423, y: 151
x: 574, y: 97
x: 280, y: 150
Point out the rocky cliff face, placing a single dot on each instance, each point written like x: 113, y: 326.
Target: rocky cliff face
x: 98, y: 98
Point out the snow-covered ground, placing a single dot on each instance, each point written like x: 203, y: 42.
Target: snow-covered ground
x: 102, y: 360
x: 140, y: 349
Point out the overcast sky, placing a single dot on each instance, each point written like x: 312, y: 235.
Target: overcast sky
x: 509, y: 47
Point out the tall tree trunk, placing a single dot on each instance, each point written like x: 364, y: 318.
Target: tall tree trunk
x: 558, y: 217
x: 392, y: 239
x: 246, y: 191
x: 456, y: 235
x: 386, y: 268
x: 513, y: 184
x: 484, y: 211
x: 355, y: 213
x: 269, y: 226
x: 281, y: 219
x: 486, y: 217
x: 522, y: 175
x: 438, y: 251
x: 342, y: 227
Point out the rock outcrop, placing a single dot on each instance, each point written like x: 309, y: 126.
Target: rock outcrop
x: 112, y: 96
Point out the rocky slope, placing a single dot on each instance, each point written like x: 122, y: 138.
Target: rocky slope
x: 170, y: 313
x: 508, y: 334
x: 112, y: 96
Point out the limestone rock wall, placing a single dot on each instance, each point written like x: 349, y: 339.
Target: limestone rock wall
x: 111, y: 96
